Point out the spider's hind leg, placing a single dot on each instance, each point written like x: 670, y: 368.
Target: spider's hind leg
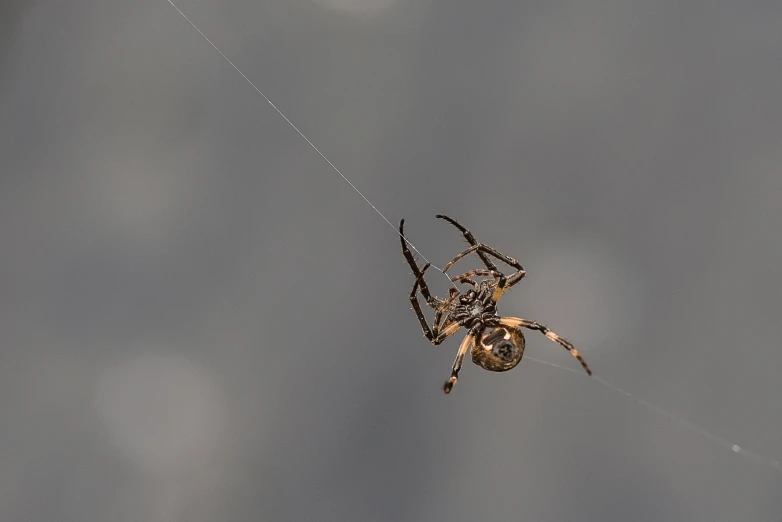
x: 467, y: 343
x: 534, y: 325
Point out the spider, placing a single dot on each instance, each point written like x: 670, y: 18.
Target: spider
x: 495, y: 343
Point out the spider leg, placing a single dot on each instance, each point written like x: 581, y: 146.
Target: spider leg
x: 503, y: 282
x: 433, y: 334
x: 481, y: 248
x: 465, y: 277
x: 431, y: 301
x: 470, y: 239
x: 453, y: 293
x: 446, y: 332
x: 467, y: 343
x: 512, y: 280
x: 534, y: 325
x: 417, y: 306
x: 515, y: 278
x: 447, y: 324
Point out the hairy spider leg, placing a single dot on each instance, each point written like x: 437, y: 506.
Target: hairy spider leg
x: 431, y: 301
x: 434, y: 335
x: 465, y: 277
x: 470, y: 239
x: 503, y: 282
x: 534, y: 325
x: 481, y: 252
x: 467, y: 343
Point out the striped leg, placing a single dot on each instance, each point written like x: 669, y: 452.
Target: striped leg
x: 467, y: 343
x: 534, y: 325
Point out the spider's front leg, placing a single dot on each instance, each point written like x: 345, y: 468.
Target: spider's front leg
x: 484, y: 251
x: 470, y: 239
x: 465, y: 277
x: 433, y: 334
x: 503, y: 282
x: 430, y: 300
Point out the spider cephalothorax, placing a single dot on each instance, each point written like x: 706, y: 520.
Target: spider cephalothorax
x: 495, y: 343
x: 475, y: 308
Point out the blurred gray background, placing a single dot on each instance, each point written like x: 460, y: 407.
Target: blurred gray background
x: 201, y: 321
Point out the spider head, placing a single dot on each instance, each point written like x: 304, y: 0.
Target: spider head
x: 499, y: 350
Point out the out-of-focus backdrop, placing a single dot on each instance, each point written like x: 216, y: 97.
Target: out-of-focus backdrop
x: 201, y: 321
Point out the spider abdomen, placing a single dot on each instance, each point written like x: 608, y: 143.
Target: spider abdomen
x: 499, y: 350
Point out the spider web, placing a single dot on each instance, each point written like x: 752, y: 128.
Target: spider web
x: 712, y: 437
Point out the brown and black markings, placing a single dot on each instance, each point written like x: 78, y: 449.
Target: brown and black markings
x: 495, y: 343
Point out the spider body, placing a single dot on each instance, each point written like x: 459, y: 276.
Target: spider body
x: 495, y: 343
x: 475, y: 309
